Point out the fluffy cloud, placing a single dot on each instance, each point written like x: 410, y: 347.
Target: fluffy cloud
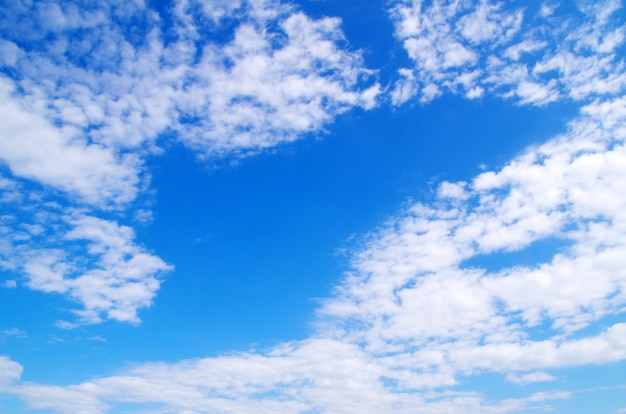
x: 83, y: 101
x: 416, y: 313
x: 414, y: 290
x: 265, y: 88
x: 32, y: 147
x: 528, y: 55
x: 110, y: 90
x: 93, y: 261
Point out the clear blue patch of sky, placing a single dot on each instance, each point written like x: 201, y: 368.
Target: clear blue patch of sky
x: 538, y: 252
x: 42, y: 348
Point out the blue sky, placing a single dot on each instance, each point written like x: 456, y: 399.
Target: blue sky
x: 312, y: 207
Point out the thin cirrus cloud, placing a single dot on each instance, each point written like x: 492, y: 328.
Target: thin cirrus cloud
x: 416, y: 311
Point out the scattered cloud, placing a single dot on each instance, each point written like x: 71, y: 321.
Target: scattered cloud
x: 411, y: 288
x: 89, y: 101
x: 92, y: 98
x: 412, y: 316
x: 415, y: 312
x: 92, y: 261
x: 521, y: 53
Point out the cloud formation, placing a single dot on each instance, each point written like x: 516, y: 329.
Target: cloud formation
x: 526, y: 53
x: 414, y: 314
x: 84, y: 101
x: 266, y: 87
x: 417, y: 311
x: 93, y: 261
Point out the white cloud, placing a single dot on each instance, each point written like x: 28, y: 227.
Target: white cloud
x: 10, y: 371
x: 102, y: 92
x: 314, y: 375
x: 538, y: 376
x: 413, y: 316
x: 122, y: 279
x: 33, y: 148
x: 9, y: 53
x: 532, y: 59
x: 79, y: 113
x: 92, y: 261
x: 251, y: 94
x: 411, y: 292
x: 453, y: 190
x: 529, y: 355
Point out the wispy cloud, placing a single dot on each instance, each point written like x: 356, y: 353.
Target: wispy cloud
x: 10, y: 284
x: 530, y: 378
x: 13, y: 333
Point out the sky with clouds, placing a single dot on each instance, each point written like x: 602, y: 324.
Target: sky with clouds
x: 256, y: 206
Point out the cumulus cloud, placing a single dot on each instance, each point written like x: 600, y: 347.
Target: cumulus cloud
x: 264, y: 88
x: 415, y: 313
x: 514, y: 51
x: 93, y: 261
x: 34, y: 148
x: 89, y: 100
x: 415, y: 291
x: 417, y: 310
x: 107, y: 91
